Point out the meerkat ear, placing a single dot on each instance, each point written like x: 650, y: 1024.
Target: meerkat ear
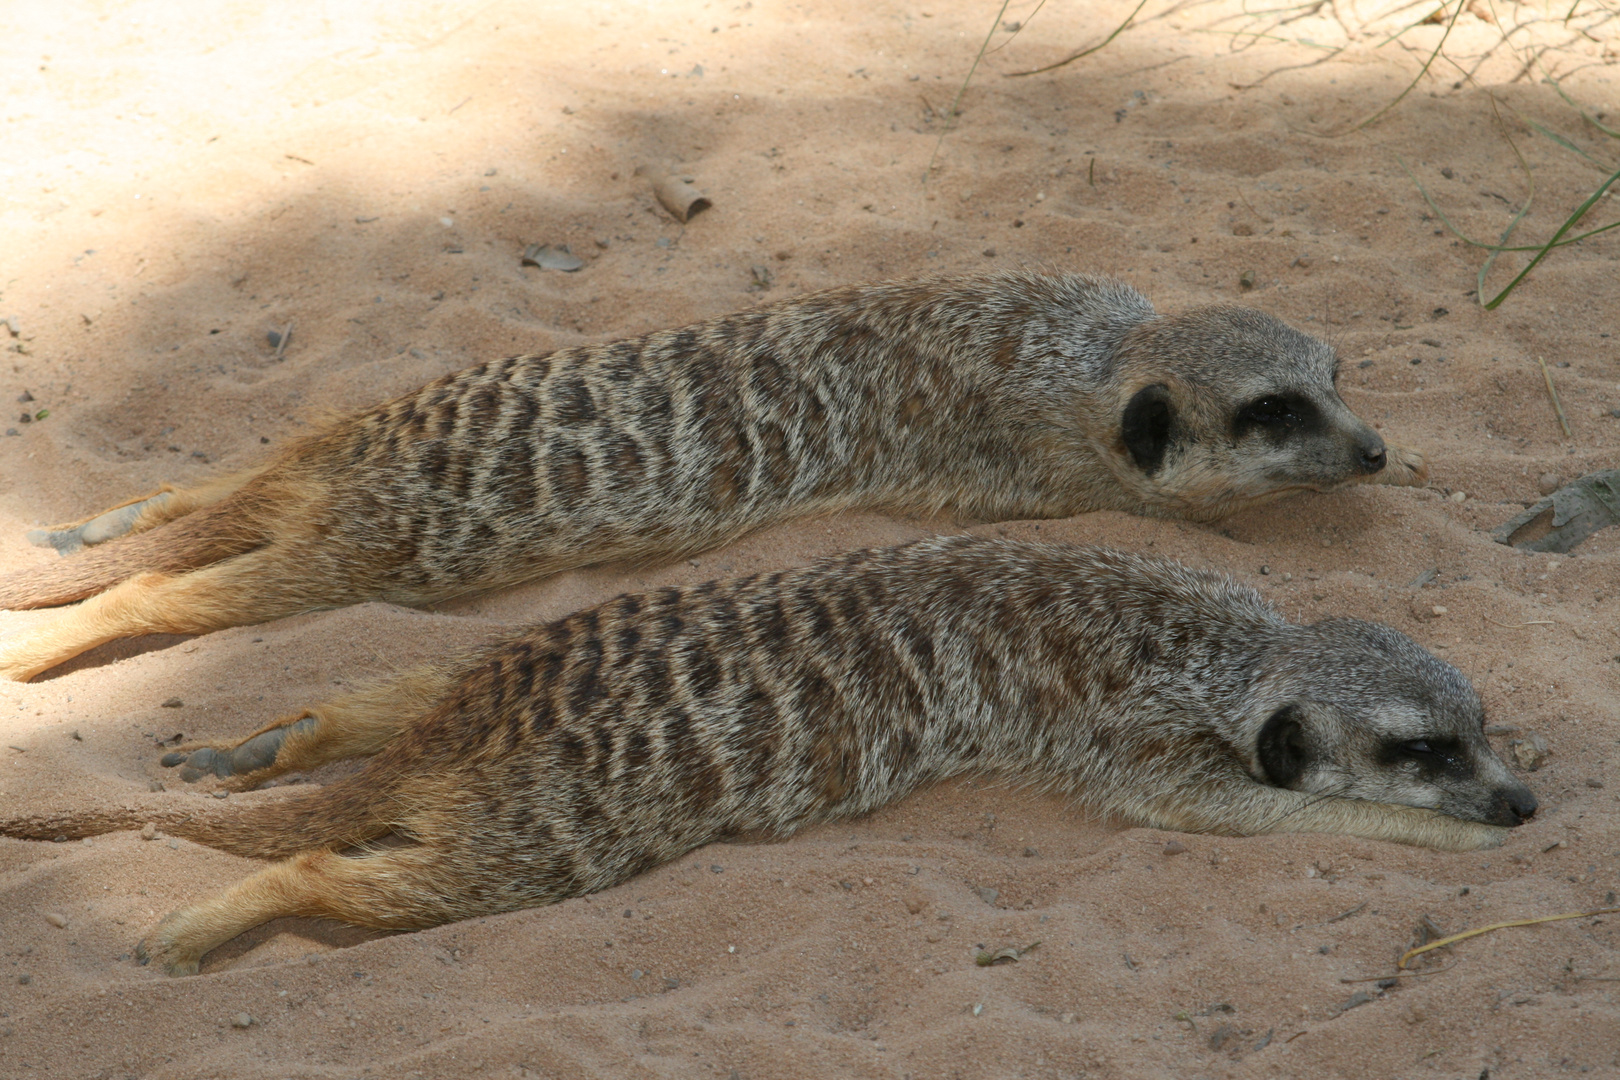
x: 1283, y: 750
x: 1145, y: 426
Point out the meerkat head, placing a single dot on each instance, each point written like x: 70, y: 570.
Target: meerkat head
x: 1223, y: 407
x: 1358, y: 710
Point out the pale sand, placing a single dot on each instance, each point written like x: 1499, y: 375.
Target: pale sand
x: 182, y: 178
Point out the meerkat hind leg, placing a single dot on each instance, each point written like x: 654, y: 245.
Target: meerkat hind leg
x: 355, y: 725
x: 138, y: 514
x: 393, y: 889
x: 247, y: 588
x: 68, y: 539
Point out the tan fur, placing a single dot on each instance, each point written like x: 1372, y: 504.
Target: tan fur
x: 586, y: 750
x: 1014, y: 396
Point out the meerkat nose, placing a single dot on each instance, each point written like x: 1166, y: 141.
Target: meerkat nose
x: 1523, y: 804
x: 1370, y: 455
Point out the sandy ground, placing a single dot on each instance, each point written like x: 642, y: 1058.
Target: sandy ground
x: 182, y: 178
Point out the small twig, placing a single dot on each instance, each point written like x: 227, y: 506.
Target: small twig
x: 286, y: 335
x: 463, y: 102
x: 1454, y: 938
x: 1552, y: 393
x: 1263, y: 219
x: 1343, y: 915
x: 1522, y: 625
x: 1402, y: 974
x: 1118, y: 30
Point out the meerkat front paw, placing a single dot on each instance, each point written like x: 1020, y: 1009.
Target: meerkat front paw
x: 19, y: 657
x: 165, y: 947
x: 1402, y: 468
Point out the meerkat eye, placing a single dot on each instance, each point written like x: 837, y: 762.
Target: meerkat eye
x: 1269, y: 412
x: 1276, y: 415
x: 1431, y: 749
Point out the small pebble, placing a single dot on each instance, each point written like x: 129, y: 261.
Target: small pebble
x: 241, y: 1020
x: 24, y: 980
x: 1530, y: 752
x: 173, y: 703
x: 1594, y: 782
x: 155, y: 785
x: 149, y: 831
x: 1174, y: 847
x: 57, y: 920
x: 636, y: 974
x: 1549, y: 483
x: 1458, y: 496
x: 175, y: 844
x: 226, y: 794
x: 987, y: 894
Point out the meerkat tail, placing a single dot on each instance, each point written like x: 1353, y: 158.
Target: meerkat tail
x: 192, y: 542
x: 338, y: 815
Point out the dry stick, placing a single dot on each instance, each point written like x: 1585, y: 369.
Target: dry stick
x: 1424, y: 70
x: 1452, y: 939
x: 1402, y: 974
x: 286, y: 335
x: 1021, y: 27
x: 1552, y: 393
x: 957, y: 100
x: 1118, y: 30
x: 1520, y: 626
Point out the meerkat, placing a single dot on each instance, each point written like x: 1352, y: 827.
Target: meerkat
x: 1019, y: 395
x: 587, y: 750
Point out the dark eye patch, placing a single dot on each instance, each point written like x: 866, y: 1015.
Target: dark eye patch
x: 1277, y: 416
x: 1436, y: 754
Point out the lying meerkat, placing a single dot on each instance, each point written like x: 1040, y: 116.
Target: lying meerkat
x: 587, y: 750
x: 1018, y: 395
